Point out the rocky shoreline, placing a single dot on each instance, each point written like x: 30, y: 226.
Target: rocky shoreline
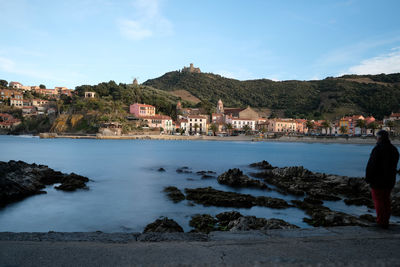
x: 313, y: 188
x: 19, y: 180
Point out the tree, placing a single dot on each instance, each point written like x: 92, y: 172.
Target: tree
x: 361, y: 124
x: 309, y: 125
x: 326, y: 125
x: 390, y: 125
x: 214, y: 128
x: 3, y: 83
x: 42, y: 86
x: 373, y: 126
x: 229, y: 128
x: 246, y: 129
x: 343, y: 129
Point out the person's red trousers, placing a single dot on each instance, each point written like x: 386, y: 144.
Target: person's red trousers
x: 382, y: 202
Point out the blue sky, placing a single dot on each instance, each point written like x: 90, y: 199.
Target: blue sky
x: 74, y: 42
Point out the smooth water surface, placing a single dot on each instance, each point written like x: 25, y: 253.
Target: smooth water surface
x: 126, y: 191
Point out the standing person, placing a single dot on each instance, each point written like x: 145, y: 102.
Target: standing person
x: 381, y: 176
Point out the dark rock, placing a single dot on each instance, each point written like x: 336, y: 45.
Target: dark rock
x: 262, y: 165
x: 19, y: 180
x: 163, y: 225
x: 212, y: 197
x: 174, y: 194
x: 72, y: 182
x: 247, y: 223
x: 205, y: 176
x: 205, y: 172
x: 323, y: 216
x: 203, y: 223
x: 300, y: 181
x: 225, y: 218
x: 274, y: 203
x: 183, y: 170
x: 161, y: 170
x: 368, y: 217
x: 329, y: 218
x: 236, y: 178
x: 360, y: 201
x: 313, y: 201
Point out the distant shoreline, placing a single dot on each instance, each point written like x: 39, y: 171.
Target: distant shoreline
x: 289, y: 139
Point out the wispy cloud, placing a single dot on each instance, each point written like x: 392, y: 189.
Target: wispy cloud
x: 148, y: 21
x: 386, y: 63
x: 352, y: 53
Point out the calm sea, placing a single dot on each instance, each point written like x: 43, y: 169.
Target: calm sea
x: 126, y: 192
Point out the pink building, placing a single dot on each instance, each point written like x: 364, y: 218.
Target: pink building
x: 140, y: 110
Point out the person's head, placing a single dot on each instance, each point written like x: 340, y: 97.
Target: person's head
x: 382, y: 136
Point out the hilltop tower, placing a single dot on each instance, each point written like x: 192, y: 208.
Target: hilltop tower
x: 191, y: 69
x: 220, y: 107
x: 135, y: 82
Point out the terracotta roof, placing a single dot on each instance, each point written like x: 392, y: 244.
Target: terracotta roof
x: 395, y: 115
x: 242, y: 119
x: 197, y: 116
x: 156, y: 117
x: 233, y: 110
x: 143, y: 105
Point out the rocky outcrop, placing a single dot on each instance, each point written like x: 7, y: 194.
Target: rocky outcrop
x: 183, y: 170
x: 225, y: 218
x: 234, y: 221
x: 204, y: 223
x: 300, y: 181
x: 323, y: 216
x: 211, y: 197
x: 19, y: 180
x: 174, y: 194
x: 247, y: 223
x: 236, y: 178
x: 262, y: 165
x: 163, y: 225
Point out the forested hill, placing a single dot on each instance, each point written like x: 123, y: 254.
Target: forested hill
x: 376, y: 95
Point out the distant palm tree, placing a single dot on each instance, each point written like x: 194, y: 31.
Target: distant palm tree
x: 343, y: 129
x: 361, y: 124
x: 229, y: 128
x: 373, y: 126
x: 391, y: 125
x: 325, y: 125
x: 214, y: 128
x: 246, y: 129
x: 309, y: 125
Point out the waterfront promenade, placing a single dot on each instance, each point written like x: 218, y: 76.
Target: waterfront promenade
x: 304, y: 139
x: 336, y: 246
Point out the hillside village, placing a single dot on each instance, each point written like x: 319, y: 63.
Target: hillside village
x: 19, y: 103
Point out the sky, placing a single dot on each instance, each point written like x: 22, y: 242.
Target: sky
x: 76, y: 42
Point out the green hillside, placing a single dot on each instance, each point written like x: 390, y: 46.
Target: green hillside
x: 376, y: 95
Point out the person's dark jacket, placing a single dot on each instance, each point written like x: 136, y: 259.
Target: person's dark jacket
x: 382, y: 165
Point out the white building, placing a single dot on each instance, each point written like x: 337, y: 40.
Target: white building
x: 238, y: 124
x: 200, y: 121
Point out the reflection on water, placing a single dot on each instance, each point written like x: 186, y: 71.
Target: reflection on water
x: 125, y: 194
